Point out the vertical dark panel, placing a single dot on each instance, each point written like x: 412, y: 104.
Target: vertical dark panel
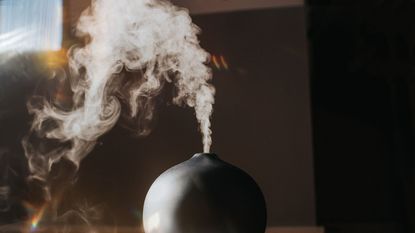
x: 362, y: 80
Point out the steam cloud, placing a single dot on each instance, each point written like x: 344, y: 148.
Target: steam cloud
x: 152, y: 38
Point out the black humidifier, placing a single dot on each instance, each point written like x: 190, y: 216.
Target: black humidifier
x: 204, y: 195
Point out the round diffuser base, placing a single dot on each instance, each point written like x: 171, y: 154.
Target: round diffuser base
x: 205, y: 195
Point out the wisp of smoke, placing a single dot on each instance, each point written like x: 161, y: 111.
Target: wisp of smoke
x: 151, y: 37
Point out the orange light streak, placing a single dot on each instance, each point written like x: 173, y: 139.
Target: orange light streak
x: 55, y: 59
x: 36, y: 219
x: 216, y: 62
x: 224, y: 63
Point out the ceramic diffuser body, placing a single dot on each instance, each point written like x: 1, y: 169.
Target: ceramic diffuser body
x: 204, y: 195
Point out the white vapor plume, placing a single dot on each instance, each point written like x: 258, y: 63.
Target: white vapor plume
x: 152, y: 38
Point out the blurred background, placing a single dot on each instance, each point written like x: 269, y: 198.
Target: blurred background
x: 314, y: 99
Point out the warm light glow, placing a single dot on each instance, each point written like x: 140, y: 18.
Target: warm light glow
x: 215, y: 62
x: 219, y: 62
x: 36, y: 218
x: 224, y: 63
x: 34, y: 224
x: 55, y: 59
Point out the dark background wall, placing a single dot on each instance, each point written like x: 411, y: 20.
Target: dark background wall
x: 362, y: 79
x: 261, y: 121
